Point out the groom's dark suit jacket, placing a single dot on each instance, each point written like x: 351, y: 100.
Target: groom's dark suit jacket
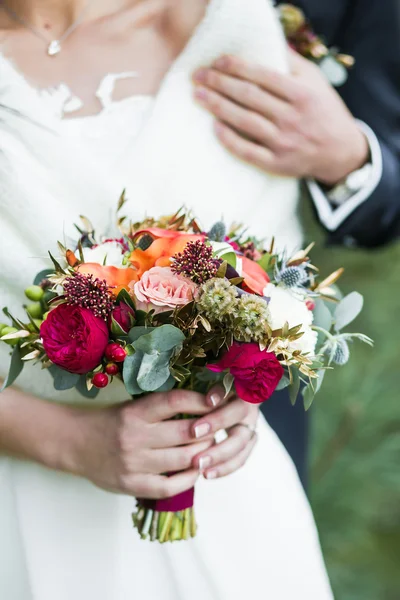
x: 369, y: 30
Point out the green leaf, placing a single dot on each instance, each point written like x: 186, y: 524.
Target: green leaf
x: 283, y: 384
x: 322, y: 315
x: 320, y: 380
x: 228, y: 382
x: 116, y: 328
x: 15, y: 369
x: 123, y: 296
x: 154, y: 371
x: 137, y: 332
x: 264, y: 261
x: 56, y: 264
x: 63, y: 380
x: 294, y: 387
x: 130, y: 372
x: 42, y: 275
x: 348, y: 309
x: 168, y: 385
x: 308, y: 396
x: 161, y: 339
x: 83, y: 390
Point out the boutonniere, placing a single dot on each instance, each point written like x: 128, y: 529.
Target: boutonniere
x: 305, y: 41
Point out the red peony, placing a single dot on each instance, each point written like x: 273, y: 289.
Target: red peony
x: 74, y: 338
x: 256, y: 372
x: 124, y: 316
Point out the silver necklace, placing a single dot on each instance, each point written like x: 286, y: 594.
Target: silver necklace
x: 54, y: 47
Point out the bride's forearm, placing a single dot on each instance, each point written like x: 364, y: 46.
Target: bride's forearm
x: 36, y: 430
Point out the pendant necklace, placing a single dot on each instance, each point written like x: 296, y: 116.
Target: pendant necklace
x: 53, y: 47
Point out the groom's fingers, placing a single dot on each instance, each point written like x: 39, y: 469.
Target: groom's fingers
x: 245, y: 93
x: 281, y: 85
x: 252, y: 124
x: 248, y: 151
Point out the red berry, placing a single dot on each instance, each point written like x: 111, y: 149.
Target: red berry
x: 112, y: 369
x: 100, y: 380
x: 109, y: 350
x: 119, y: 354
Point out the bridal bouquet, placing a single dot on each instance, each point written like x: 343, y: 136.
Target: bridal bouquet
x: 167, y: 305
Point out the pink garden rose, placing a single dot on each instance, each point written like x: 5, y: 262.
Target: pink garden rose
x: 161, y: 289
x: 74, y: 338
x: 256, y: 372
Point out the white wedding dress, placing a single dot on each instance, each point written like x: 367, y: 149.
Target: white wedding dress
x: 61, y: 538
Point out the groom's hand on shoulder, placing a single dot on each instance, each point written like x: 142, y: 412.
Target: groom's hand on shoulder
x: 289, y: 124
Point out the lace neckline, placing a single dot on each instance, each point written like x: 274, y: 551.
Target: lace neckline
x: 69, y: 103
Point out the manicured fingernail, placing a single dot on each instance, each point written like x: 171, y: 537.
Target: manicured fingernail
x: 202, y: 430
x: 201, y: 93
x: 204, y: 462
x: 200, y: 75
x: 222, y: 63
x: 215, y: 399
x: 211, y: 475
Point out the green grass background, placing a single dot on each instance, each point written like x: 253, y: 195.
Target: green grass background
x: 355, y: 482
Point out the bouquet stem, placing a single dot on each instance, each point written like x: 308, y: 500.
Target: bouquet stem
x: 164, y: 526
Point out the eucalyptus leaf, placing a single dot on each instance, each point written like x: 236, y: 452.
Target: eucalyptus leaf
x: 322, y: 315
x: 130, y: 373
x: 63, y: 380
x: 294, y: 388
x: 42, y: 275
x: 83, y: 389
x: 320, y: 380
x: 283, y: 384
x: 137, y: 332
x: 348, y: 309
x: 265, y: 261
x: 161, y: 339
x: 168, y: 385
x: 308, y: 396
x: 154, y: 371
x: 15, y: 369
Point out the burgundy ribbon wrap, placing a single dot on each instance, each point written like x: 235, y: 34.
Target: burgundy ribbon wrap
x: 174, y: 504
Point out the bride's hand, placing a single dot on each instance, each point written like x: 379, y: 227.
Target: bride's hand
x: 231, y: 454
x: 128, y: 449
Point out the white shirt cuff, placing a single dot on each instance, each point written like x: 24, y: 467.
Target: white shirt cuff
x: 332, y: 217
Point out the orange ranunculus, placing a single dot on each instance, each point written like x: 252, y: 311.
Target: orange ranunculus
x: 255, y: 278
x: 166, y: 244
x: 116, y: 279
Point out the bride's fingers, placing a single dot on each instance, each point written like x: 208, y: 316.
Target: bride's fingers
x: 172, y: 460
x: 229, y: 467
x: 237, y: 440
x: 227, y: 416
x: 155, y: 487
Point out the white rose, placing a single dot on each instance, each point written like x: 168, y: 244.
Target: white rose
x: 285, y: 307
x: 110, y: 254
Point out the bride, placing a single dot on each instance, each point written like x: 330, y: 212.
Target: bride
x: 95, y: 97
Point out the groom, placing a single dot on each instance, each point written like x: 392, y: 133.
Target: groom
x: 345, y: 144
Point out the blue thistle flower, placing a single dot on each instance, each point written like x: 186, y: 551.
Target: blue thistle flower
x: 342, y: 353
x: 217, y: 232
x: 293, y: 277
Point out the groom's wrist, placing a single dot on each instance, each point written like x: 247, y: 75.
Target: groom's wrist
x: 350, y: 156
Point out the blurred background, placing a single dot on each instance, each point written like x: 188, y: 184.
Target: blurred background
x: 355, y: 480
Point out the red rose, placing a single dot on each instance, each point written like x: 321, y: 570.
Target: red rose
x: 124, y: 316
x: 74, y: 338
x: 256, y: 372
